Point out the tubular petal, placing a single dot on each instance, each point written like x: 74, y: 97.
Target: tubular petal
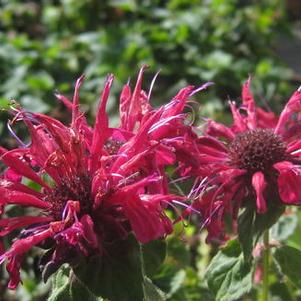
x: 289, y: 183
x: 259, y: 184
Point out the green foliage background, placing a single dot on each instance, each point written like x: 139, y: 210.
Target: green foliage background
x: 45, y: 45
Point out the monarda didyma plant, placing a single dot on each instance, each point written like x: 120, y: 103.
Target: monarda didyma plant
x: 97, y: 200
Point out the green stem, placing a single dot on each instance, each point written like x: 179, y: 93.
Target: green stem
x: 266, y: 259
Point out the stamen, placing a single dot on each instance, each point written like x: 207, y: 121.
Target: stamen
x: 196, y: 192
x: 124, y: 181
x: 163, y: 122
x: 296, y: 151
x: 33, y: 231
x: 152, y: 84
x: 179, y: 179
x: 21, y: 143
x: 186, y: 206
x: 202, y: 87
x: 207, y: 220
x: 2, y: 258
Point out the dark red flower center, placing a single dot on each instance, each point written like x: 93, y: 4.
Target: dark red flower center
x: 257, y: 150
x: 76, y: 189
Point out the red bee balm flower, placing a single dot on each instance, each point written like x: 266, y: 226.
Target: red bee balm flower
x: 257, y: 158
x: 97, y: 184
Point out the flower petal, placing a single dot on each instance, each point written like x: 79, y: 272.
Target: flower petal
x: 266, y: 119
x: 9, y: 224
x: 239, y: 123
x: 293, y: 105
x: 13, y: 268
x: 259, y: 184
x: 20, y: 246
x: 75, y: 109
x: 101, y: 127
x: 177, y: 104
x: 147, y: 219
x: 124, y: 103
x: 216, y: 129
x: 248, y: 100
x: 11, y: 159
x: 289, y: 183
x: 21, y: 198
x: 135, y: 105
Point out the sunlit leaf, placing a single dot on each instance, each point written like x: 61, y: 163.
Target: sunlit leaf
x: 229, y: 276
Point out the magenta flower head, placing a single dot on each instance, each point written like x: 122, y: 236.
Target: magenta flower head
x: 255, y: 160
x: 96, y: 184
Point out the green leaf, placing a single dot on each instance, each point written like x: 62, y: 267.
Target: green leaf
x: 40, y: 81
x: 284, y: 227
x: 246, y: 231
x: 267, y: 220
x: 229, y: 277
x: 153, y: 254
x: 294, y: 239
x: 69, y: 288
x: 60, y: 277
x: 60, y: 286
x: 289, y: 261
x: 178, y: 251
x: 172, y: 274
x: 280, y: 291
x: 4, y: 104
x: 117, y: 275
x: 61, y: 294
x: 151, y: 291
x: 79, y: 292
x: 177, y: 282
x: 251, y: 226
x: 34, y: 104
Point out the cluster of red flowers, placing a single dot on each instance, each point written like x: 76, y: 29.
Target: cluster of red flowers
x: 99, y: 184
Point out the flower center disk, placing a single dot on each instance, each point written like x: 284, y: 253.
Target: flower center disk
x: 257, y: 150
x: 76, y: 189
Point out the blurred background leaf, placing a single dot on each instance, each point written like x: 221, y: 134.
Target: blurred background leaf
x: 45, y: 45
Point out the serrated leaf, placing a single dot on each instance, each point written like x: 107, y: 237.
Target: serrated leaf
x: 153, y: 254
x: 60, y: 286
x: 60, y: 277
x: 289, y: 261
x: 67, y: 287
x: 116, y: 276
x: 61, y: 293
x: 229, y: 277
x: 151, y: 291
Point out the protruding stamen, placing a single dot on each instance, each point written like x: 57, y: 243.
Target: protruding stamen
x: 21, y: 143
